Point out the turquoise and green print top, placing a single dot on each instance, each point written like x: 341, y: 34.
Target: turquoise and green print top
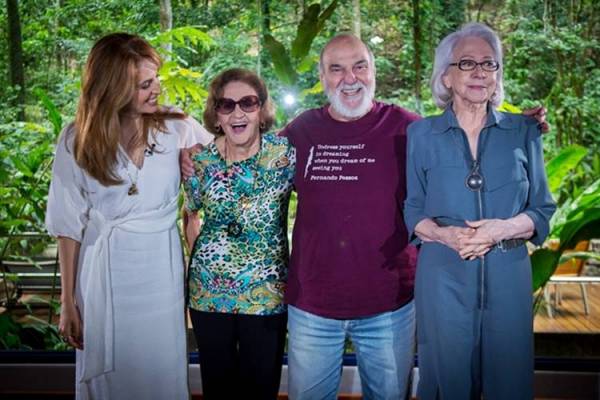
x: 239, y: 262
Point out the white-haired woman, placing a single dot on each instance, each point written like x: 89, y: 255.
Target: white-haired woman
x: 476, y: 191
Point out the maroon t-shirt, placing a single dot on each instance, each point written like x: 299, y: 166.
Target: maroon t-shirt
x: 350, y: 252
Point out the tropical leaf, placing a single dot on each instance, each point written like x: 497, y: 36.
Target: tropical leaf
x: 507, y: 107
x: 21, y: 166
x: 579, y: 255
x: 178, y: 83
x: 281, y: 61
x: 590, y: 197
x: 543, y: 263
x: 558, y: 168
x: 311, y: 24
x: 182, y: 36
x: 13, y: 222
x: 317, y: 88
x: 325, y: 15
x: 585, y: 226
x: 579, y: 220
x: 571, y: 212
x: 307, y: 64
x: 307, y: 30
x: 53, y: 113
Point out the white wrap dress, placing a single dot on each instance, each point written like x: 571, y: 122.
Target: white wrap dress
x: 130, y: 274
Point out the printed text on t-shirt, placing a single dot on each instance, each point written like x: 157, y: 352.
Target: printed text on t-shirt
x: 335, y: 162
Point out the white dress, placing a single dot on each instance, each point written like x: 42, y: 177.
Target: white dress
x: 130, y: 273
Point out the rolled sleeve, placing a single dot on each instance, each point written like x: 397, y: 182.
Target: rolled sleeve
x: 540, y: 205
x: 67, y: 207
x: 416, y: 183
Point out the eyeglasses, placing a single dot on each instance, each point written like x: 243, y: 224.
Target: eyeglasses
x: 470, y: 65
x: 247, y: 104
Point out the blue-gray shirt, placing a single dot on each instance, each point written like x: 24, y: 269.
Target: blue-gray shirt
x: 511, y: 163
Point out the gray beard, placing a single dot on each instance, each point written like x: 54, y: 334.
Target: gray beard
x: 362, y: 109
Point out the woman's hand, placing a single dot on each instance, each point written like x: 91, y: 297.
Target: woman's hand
x: 70, y: 326
x: 539, y: 113
x: 185, y: 160
x: 488, y: 232
x: 454, y: 237
x: 473, y: 251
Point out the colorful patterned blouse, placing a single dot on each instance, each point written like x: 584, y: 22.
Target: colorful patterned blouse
x: 239, y: 263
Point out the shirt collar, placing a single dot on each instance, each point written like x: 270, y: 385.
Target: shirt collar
x: 447, y: 120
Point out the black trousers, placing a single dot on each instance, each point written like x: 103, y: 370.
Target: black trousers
x: 240, y: 355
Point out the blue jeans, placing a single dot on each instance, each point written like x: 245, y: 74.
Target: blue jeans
x: 384, y: 345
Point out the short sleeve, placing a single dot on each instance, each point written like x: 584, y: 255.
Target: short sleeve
x: 292, y: 157
x: 193, y: 186
x: 67, y: 208
x: 192, y: 201
x: 192, y: 132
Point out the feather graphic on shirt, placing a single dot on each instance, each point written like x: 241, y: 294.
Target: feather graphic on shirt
x: 309, y: 161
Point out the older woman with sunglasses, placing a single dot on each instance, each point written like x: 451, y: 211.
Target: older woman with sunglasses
x: 238, y: 269
x: 476, y: 191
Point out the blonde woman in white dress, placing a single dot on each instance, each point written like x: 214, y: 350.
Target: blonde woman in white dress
x: 112, y: 205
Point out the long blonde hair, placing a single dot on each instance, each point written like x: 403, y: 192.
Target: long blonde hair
x: 108, y: 87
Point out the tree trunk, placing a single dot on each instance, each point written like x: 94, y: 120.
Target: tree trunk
x: 265, y: 28
x: 454, y: 14
x: 356, y: 19
x: 417, y: 38
x: 166, y: 23
x: 15, y: 56
x: 58, y: 47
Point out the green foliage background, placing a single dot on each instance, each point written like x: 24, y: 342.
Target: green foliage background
x: 551, y: 47
x: 552, y: 56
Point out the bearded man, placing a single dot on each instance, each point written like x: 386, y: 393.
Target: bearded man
x: 352, y: 269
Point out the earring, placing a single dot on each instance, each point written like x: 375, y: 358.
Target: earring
x: 218, y: 128
x: 262, y: 126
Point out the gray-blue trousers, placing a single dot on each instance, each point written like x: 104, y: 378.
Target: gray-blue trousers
x: 474, y: 325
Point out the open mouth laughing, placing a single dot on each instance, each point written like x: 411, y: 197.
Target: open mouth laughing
x: 351, y: 92
x: 238, y: 127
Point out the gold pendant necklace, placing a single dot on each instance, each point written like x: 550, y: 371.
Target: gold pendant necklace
x: 133, y: 188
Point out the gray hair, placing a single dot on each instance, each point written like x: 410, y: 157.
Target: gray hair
x: 344, y: 36
x: 444, y: 56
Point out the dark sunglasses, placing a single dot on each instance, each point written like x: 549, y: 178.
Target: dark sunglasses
x: 247, y: 104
